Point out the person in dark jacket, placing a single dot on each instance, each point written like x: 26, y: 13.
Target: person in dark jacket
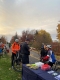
x: 25, y: 51
x: 44, y: 52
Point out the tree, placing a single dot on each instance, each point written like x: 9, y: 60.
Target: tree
x: 45, y: 36
x: 3, y: 40
x: 14, y: 37
x: 27, y: 34
x: 58, y: 32
x: 42, y: 37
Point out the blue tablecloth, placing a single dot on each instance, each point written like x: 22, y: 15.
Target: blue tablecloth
x: 31, y: 74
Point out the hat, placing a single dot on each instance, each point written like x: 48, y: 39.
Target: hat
x: 49, y: 46
x: 16, y: 40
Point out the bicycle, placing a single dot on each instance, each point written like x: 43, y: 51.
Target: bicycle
x: 17, y: 63
x: 56, y: 66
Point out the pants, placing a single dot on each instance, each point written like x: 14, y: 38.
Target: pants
x: 13, y: 55
x: 25, y: 59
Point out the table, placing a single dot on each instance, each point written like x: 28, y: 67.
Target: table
x: 31, y: 74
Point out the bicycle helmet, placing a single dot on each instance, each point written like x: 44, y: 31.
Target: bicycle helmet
x: 49, y: 46
x: 16, y: 40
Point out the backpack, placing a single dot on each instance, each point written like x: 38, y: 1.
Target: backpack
x: 1, y: 50
x: 53, y: 57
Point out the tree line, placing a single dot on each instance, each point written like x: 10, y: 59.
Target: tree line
x: 37, y: 37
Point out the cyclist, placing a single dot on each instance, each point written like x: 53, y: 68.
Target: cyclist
x: 15, y: 48
x: 51, y: 55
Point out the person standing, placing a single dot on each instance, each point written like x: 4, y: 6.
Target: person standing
x: 25, y: 52
x: 15, y: 48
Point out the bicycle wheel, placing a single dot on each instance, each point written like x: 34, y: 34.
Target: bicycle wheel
x: 58, y: 66
x: 17, y: 65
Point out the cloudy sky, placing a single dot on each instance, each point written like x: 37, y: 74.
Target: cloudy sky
x: 19, y: 15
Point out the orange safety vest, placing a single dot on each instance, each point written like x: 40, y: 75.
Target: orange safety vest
x: 15, y: 47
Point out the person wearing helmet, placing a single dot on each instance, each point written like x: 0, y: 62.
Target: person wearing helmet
x: 51, y: 55
x: 15, y: 48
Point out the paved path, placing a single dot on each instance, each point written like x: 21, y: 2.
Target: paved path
x: 34, y: 57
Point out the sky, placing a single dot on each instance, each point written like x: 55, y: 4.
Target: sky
x: 19, y: 15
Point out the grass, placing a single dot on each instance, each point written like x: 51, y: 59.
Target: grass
x: 57, y: 57
x: 6, y: 72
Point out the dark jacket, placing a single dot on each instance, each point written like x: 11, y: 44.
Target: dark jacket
x: 25, y: 51
x: 43, y: 52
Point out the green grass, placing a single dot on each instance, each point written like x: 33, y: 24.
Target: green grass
x: 57, y: 57
x: 6, y: 72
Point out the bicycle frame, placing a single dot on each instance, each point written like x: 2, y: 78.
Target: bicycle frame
x: 17, y: 64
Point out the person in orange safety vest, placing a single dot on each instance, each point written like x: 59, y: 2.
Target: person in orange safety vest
x: 15, y: 48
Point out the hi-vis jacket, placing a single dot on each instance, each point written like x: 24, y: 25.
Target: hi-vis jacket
x: 15, y: 47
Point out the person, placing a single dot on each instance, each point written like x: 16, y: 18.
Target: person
x: 45, y: 57
x: 1, y: 48
x: 25, y: 51
x: 43, y: 52
x: 15, y: 48
x: 51, y: 55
